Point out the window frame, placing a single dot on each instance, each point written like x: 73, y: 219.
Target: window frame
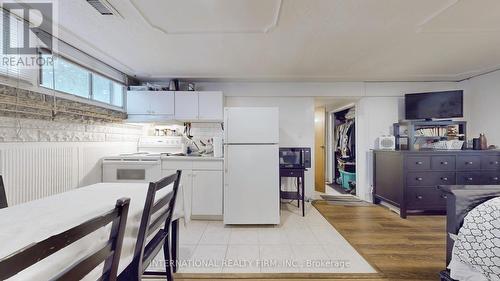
x: 91, y: 73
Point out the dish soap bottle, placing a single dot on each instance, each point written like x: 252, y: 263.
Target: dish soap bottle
x: 483, y: 142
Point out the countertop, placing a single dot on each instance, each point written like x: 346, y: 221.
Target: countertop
x: 192, y: 158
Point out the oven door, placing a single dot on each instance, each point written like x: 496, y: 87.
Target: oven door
x: 131, y: 171
x: 291, y: 158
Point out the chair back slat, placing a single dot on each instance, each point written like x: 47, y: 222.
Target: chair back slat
x: 150, y: 252
x: 145, y: 252
x: 3, y: 195
x: 30, y: 255
x: 86, y: 265
x: 156, y: 223
x: 162, y: 203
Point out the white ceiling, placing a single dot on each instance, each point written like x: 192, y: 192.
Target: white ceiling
x: 291, y: 40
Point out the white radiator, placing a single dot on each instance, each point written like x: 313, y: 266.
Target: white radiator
x: 33, y: 170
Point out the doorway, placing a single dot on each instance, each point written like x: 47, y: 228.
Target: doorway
x: 335, y: 145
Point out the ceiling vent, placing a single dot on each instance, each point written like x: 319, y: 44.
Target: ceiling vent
x: 103, y: 7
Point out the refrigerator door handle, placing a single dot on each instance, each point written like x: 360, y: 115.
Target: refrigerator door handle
x: 226, y: 164
x: 226, y: 124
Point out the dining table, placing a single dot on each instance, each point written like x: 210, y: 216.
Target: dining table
x: 31, y: 222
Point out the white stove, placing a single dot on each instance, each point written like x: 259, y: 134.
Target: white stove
x: 143, y: 166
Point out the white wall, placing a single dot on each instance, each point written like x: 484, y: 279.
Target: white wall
x: 482, y: 110
x: 375, y: 116
x: 41, y: 158
x: 379, y: 106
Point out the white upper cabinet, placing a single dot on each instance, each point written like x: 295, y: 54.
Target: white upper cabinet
x: 138, y: 103
x: 210, y: 106
x: 162, y: 103
x: 186, y: 105
x: 150, y: 103
x: 144, y: 106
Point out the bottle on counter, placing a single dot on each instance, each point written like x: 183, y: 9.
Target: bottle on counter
x: 483, y: 141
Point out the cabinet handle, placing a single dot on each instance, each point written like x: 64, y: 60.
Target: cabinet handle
x: 444, y: 179
x: 420, y: 197
x: 494, y: 162
x: 419, y: 163
x: 468, y: 163
x: 419, y: 179
x: 444, y: 196
x: 469, y: 179
x: 444, y: 163
x: 495, y: 178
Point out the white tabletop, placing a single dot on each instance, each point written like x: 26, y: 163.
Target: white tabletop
x: 34, y: 221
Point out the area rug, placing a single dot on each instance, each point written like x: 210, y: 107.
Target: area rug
x: 337, y: 188
x: 344, y: 200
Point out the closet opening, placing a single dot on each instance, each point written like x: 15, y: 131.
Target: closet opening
x: 343, y: 154
x: 340, y: 138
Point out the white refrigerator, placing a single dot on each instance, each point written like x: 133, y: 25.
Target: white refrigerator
x: 251, y: 165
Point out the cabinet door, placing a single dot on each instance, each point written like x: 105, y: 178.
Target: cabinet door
x: 186, y: 105
x: 162, y: 103
x: 207, y: 193
x: 138, y: 102
x: 184, y: 197
x: 210, y: 106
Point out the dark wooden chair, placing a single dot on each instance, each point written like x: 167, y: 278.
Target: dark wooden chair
x: 3, y: 196
x: 161, y: 210
x: 109, y: 254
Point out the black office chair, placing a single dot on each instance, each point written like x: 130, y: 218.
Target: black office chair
x: 159, y: 229
x: 109, y: 254
x: 3, y: 196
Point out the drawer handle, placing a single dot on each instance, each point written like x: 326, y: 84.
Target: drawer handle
x: 444, y: 179
x: 419, y: 163
x: 468, y: 163
x: 444, y: 196
x: 470, y: 179
x: 495, y: 178
x: 444, y: 163
x: 420, y: 197
x: 494, y: 162
x: 419, y: 179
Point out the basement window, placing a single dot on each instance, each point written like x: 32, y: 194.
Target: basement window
x: 71, y: 78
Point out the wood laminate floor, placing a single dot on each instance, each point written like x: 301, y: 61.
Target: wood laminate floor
x: 401, y: 249
x: 411, y: 249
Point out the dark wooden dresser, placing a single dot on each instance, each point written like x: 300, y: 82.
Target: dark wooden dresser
x: 409, y: 180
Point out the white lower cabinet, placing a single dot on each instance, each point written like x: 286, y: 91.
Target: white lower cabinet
x: 202, y: 186
x: 186, y: 183
x: 207, y: 193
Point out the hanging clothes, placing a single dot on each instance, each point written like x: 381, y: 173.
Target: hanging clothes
x: 346, y: 140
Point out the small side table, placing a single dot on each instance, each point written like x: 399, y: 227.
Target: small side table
x: 299, y: 193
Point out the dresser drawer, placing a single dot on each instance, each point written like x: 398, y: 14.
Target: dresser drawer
x: 424, y: 198
x: 443, y: 163
x: 465, y: 178
x: 430, y: 178
x: 418, y: 163
x: 490, y: 162
x: 465, y: 163
x: 490, y: 178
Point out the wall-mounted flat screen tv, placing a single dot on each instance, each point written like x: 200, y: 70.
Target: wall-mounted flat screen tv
x: 438, y: 105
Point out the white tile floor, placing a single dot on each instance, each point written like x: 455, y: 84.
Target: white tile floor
x: 299, y: 244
